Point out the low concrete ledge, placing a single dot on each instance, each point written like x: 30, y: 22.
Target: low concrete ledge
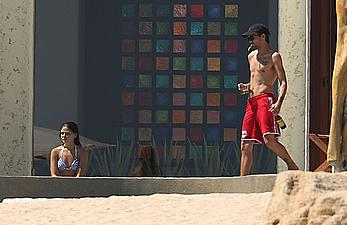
x: 67, y: 187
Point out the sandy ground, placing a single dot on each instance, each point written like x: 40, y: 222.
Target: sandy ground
x: 161, y: 209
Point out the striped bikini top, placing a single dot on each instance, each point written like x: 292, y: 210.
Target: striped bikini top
x: 62, y: 165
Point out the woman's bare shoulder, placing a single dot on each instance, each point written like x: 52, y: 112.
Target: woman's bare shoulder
x: 56, y: 149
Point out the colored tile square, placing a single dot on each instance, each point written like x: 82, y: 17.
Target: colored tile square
x: 196, y: 99
x: 196, y: 81
x: 162, y: 99
x: 145, y: 116
x: 213, y: 117
x: 230, y: 117
x: 145, y: 10
x: 179, y: 28
x: 128, y: 98
x: 129, y: 28
x: 197, y: 46
x: 162, y: 28
x: 196, y: 134
x: 162, y: 81
x: 145, y: 81
x: 230, y: 81
x: 145, y: 98
x: 230, y: 99
x: 162, y: 63
x: 212, y: 134
x: 162, y: 134
x: 127, y: 134
x: 196, y: 64
x: 162, y: 46
x: 230, y: 46
x: 145, y: 45
x: 179, y: 81
x: 145, y: 63
x: 179, y: 10
x: 214, y: 11
x: 196, y: 10
x: 128, y: 46
x: 196, y: 28
x: 231, y: 11
x: 179, y: 99
x: 230, y: 134
x: 196, y: 116
x: 213, y: 64
x: 179, y: 63
x: 213, y: 28
x: 178, y: 152
x: 128, y: 63
x: 179, y: 46
x: 128, y: 81
x: 144, y: 134
x: 213, y: 46
x: 162, y: 116
x: 213, y: 99
x: 178, y: 134
x: 128, y: 116
x: 178, y: 116
x: 128, y: 10
x: 195, y: 152
x: 163, y: 10
x: 145, y: 28
x: 230, y: 29
x: 230, y: 64
x: 213, y: 81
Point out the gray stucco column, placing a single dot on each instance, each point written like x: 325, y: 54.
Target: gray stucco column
x: 292, y: 46
x: 16, y: 86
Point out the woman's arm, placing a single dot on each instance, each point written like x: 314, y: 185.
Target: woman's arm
x: 53, y: 162
x: 83, y: 162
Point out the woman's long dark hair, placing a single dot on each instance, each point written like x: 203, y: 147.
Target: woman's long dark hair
x: 74, y: 128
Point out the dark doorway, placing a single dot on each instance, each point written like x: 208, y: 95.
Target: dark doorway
x: 323, y: 44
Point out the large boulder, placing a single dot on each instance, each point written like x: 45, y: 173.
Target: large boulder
x: 301, y: 198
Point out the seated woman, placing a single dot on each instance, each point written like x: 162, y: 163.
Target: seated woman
x: 70, y: 158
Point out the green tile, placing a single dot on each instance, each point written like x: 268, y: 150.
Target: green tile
x: 179, y: 63
x: 145, y: 81
x: 230, y: 29
x: 162, y: 28
x: 213, y: 82
x: 162, y: 116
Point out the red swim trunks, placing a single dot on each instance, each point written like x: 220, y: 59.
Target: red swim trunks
x: 258, y: 120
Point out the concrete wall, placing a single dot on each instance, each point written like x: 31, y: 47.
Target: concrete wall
x: 292, y: 46
x: 65, y: 187
x: 16, y: 86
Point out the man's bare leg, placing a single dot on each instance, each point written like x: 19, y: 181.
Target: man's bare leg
x: 246, y: 157
x: 280, y: 150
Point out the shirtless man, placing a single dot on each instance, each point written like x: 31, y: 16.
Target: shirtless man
x: 258, y: 124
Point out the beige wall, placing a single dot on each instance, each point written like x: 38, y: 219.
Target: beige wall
x: 292, y: 46
x: 16, y: 86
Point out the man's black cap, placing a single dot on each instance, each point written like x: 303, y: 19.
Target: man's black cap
x: 256, y: 29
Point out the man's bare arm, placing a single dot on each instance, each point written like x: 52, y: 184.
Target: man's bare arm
x: 282, y: 79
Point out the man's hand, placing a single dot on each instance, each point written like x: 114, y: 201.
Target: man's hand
x: 275, y: 108
x: 242, y: 87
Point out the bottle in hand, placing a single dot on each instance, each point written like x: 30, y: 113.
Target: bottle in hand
x: 280, y: 122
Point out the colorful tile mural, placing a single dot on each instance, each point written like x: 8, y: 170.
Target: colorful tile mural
x: 179, y: 74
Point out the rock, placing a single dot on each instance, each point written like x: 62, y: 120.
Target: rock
x: 307, y: 198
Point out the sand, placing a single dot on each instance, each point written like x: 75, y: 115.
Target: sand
x: 161, y: 209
